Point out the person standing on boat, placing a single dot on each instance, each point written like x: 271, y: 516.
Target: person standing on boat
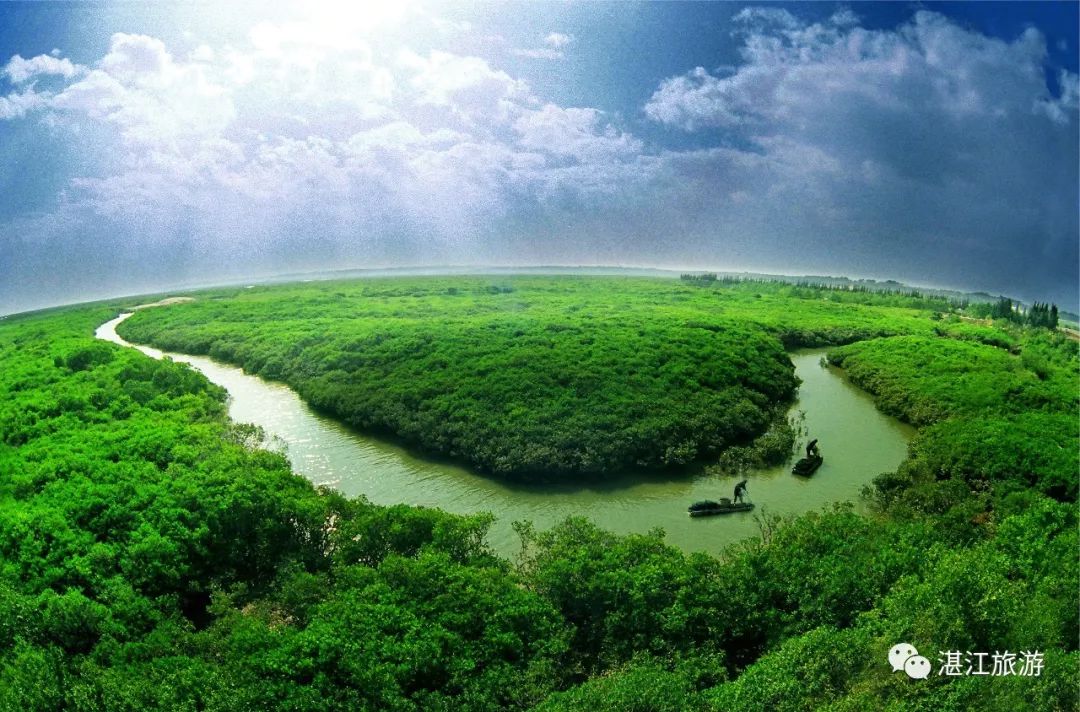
x: 811, y: 449
x: 740, y: 491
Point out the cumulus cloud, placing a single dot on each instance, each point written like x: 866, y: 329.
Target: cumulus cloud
x: 19, y: 70
x: 580, y: 133
x: 928, y: 152
x: 928, y: 145
x: 929, y: 60
x: 96, y: 95
x: 19, y: 103
x: 136, y: 58
x: 764, y: 17
x: 307, y: 145
x: 468, y: 86
x: 152, y: 100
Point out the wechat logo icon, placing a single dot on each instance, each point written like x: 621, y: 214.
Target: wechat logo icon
x: 904, y: 656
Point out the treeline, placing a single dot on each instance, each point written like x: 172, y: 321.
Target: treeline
x: 812, y: 287
x: 861, y: 294
x: 151, y: 558
x: 1038, y: 315
x: 1044, y: 315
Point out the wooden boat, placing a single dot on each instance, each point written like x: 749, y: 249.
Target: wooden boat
x: 708, y: 507
x: 808, y: 465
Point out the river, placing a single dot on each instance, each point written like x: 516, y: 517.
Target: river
x: 857, y: 441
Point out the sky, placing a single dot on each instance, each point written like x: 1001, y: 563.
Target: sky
x: 154, y: 146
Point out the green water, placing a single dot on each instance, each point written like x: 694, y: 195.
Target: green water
x: 857, y: 441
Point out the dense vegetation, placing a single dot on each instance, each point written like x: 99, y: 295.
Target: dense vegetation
x: 153, y: 557
x: 996, y: 422
x: 532, y: 377
x: 1039, y: 314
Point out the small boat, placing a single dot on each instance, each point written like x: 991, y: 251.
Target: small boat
x: 808, y: 465
x: 708, y: 507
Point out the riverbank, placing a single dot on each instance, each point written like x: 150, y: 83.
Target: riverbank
x: 858, y: 441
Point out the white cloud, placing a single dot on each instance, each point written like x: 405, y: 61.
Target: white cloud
x: 579, y: 133
x: 468, y: 86
x: 558, y: 40
x: 244, y: 139
x: 136, y: 59
x: 555, y: 43
x: 20, y: 70
x: 203, y: 53
x: 699, y: 98
x: 312, y: 147
x: 19, y: 104
x: 1067, y: 103
x: 402, y: 135
x: 844, y: 17
x: 764, y: 17
x: 931, y: 63
x: 96, y: 95
x: 940, y: 140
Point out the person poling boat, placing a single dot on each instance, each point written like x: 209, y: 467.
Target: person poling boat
x: 809, y: 464
x: 724, y: 506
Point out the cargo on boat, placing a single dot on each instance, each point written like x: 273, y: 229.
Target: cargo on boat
x: 808, y: 465
x: 708, y: 507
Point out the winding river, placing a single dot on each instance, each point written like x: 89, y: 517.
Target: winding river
x: 857, y: 441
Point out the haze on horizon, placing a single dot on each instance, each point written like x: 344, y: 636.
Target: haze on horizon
x: 153, y: 147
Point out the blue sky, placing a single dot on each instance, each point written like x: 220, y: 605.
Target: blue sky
x: 152, y: 146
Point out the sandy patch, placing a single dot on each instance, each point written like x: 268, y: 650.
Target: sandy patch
x: 165, y: 302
